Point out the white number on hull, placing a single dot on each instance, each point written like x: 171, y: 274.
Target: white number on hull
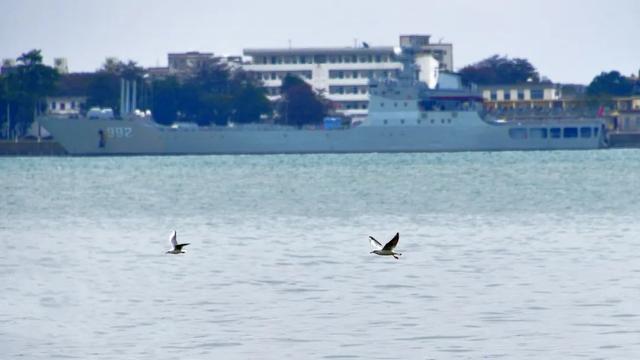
x: 119, y: 132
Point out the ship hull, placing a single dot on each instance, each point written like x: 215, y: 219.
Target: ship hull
x: 124, y: 137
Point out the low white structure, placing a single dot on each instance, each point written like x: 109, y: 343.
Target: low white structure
x: 65, y: 105
x: 520, y: 92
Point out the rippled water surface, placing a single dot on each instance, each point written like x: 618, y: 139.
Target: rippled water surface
x: 525, y: 255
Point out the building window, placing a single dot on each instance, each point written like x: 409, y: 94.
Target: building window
x: 585, y: 132
x: 537, y: 94
x: 63, y: 106
x: 520, y: 95
x: 334, y: 74
x: 507, y: 95
x: 555, y: 133
x: 494, y: 95
x: 53, y: 105
x: 73, y: 105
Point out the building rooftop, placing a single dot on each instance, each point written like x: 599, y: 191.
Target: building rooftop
x: 528, y: 85
x: 319, y: 51
x: 191, y: 53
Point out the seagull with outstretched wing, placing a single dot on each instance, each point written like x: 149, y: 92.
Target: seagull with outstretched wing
x: 175, y: 247
x: 387, y: 249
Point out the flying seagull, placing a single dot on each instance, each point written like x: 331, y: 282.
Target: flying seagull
x: 387, y: 249
x: 176, y: 248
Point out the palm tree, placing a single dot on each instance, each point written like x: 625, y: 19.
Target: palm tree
x: 28, y: 84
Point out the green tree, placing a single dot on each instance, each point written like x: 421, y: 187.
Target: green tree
x: 4, y: 102
x: 27, y: 85
x: 214, y: 95
x: 299, y: 105
x: 499, y: 70
x: 104, y: 90
x: 250, y: 98
x: 249, y: 104
x: 217, y: 94
x: 164, y: 99
x: 609, y: 84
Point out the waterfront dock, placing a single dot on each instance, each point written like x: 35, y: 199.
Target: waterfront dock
x: 624, y: 140
x: 31, y: 148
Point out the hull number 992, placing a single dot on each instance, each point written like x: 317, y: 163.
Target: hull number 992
x: 119, y: 132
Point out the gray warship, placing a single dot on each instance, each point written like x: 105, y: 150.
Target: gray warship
x: 405, y: 115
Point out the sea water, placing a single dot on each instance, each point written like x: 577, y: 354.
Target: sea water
x: 514, y: 255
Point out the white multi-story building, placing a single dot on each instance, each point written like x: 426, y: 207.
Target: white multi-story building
x: 340, y: 74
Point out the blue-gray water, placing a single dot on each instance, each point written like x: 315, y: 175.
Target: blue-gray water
x: 514, y: 255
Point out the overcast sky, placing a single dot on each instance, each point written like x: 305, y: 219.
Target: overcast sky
x: 566, y: 40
